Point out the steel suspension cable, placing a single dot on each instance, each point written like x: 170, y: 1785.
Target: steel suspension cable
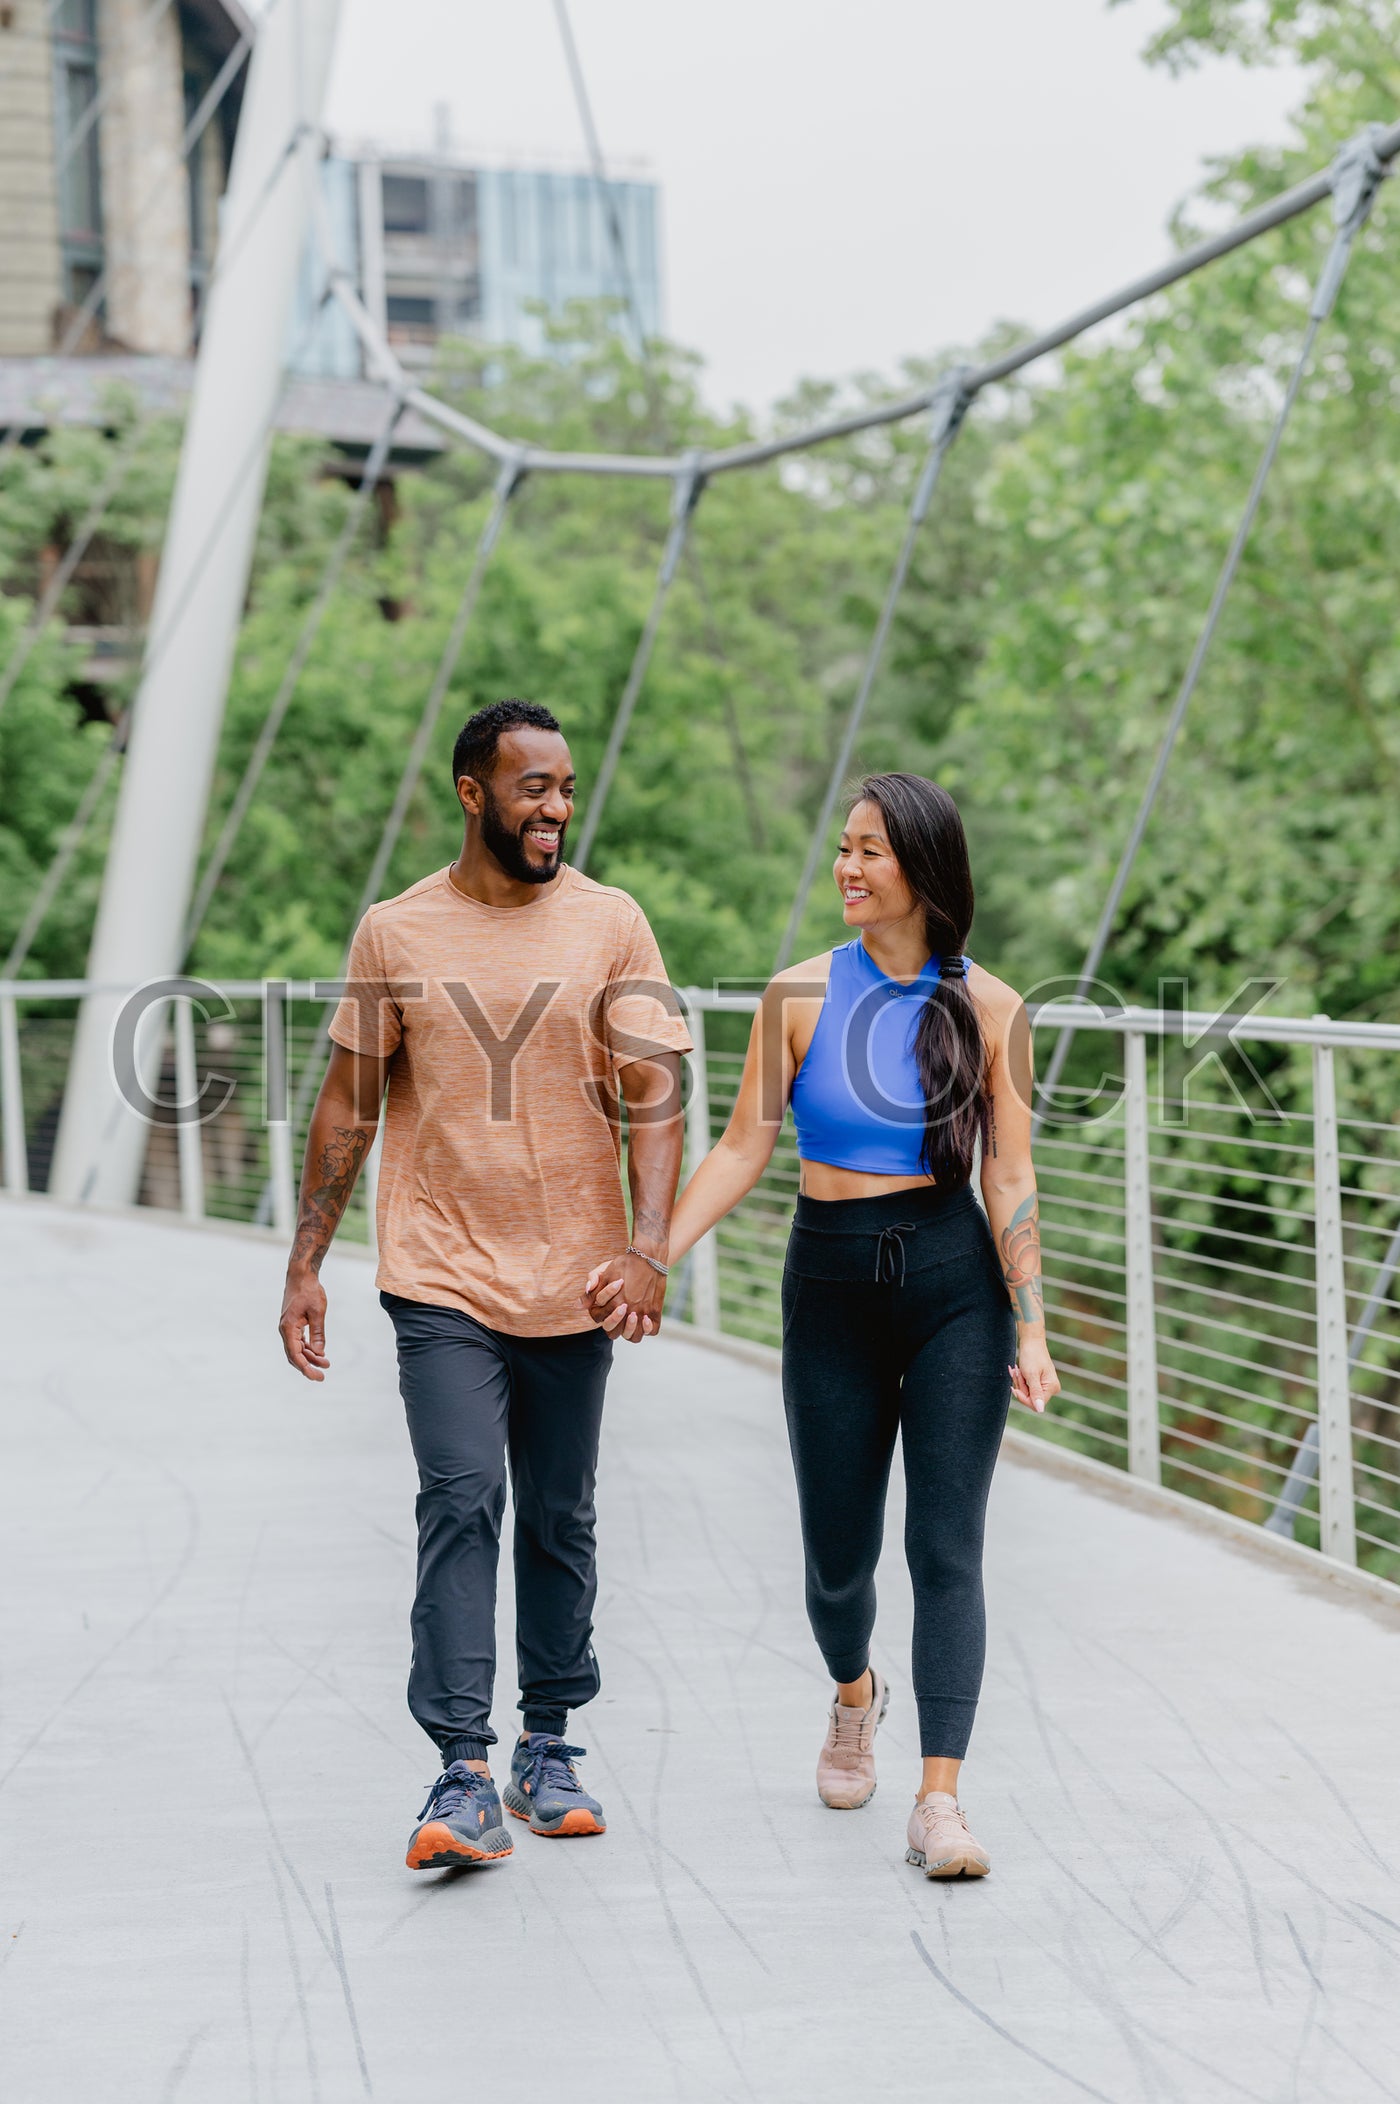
x: 121, y: 467
x: 71, y: 838
x: 93, y: 110
x: 507, y: 483
x: 69, y: 841
x: 949, y: 408
x: 1358, y: 174
x: 715, y: 647
x: 1289, y: 204
x: 685, y: 495
x: 291, y: 676
x: 124, y: 460
x: 606, y: 197
x: 194, y: 131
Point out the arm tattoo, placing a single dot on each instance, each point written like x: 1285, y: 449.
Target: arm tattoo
x: 649, y: 1222
x: 326, y: 1192
x: 1020, y: 1261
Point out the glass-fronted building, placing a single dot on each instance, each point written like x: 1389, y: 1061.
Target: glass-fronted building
x: 440, y: 248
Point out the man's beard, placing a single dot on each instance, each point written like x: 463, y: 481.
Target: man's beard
x: 509, y: 848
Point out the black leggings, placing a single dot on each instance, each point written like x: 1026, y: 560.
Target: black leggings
x: 896, y: 1318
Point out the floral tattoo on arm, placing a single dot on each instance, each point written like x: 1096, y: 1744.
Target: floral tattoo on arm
x: 324, y: 1199
x: 1020, y: 1261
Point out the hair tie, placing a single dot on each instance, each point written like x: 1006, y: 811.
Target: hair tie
x: 953, y: 966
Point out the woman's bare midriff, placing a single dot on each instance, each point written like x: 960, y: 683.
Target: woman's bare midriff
x: 820, y: 1180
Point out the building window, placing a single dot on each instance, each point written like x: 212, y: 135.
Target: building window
x: 584, y: 192
x: 411, y: 319
x: 75, y: 145
x: 462, y: 209
x: 510, y: 227
x: 547, y: 200
x: 405, y: 204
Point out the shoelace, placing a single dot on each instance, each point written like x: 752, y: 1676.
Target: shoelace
x: 451, y: 1790
x: 550, y: 1764
x: 850, y: 1736
x: 955, y: 1812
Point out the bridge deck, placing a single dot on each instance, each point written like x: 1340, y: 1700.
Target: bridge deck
x: 1185, y: 1763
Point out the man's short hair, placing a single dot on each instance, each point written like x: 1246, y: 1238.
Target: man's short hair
x: 475, y: 750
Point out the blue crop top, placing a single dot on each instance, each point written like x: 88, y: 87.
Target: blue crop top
x: 856, y: 1098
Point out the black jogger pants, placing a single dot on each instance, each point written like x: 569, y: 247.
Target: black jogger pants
x: 474, y: 1397
x: 896, y: 1320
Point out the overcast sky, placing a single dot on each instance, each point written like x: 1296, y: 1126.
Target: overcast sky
x: 844, y: 181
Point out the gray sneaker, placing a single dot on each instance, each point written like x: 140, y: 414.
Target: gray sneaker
x: 544, y: 1788
x: 846, y: 1763
x: 940, y: 1842
x: 460, y: 1823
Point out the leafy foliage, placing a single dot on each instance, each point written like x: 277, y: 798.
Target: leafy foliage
x: 1056, y: 594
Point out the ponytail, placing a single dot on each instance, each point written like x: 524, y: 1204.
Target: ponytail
x: 927, y: 840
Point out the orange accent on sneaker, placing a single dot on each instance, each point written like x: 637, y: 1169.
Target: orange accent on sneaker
x: 579, y: 1822
x: 436, y: 1841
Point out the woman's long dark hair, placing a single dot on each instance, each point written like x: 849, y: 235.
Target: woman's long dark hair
x: 926, y: 836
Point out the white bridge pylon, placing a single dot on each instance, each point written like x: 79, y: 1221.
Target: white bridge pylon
x: 205, y: 566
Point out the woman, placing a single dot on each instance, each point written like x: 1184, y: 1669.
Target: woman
x: 902, y: 1301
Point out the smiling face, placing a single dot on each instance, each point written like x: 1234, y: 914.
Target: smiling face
x: 874, y: 890
x: 525, y: 804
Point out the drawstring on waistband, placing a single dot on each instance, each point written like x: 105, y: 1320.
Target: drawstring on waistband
x: 889, y: 1253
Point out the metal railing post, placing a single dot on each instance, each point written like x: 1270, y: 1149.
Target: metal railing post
x: 1336, y: 1484
x: 12, y: 1099
x: 279, y: 1129
x: 1144, y: 1424
x: 189, y: 1132
x: 704, y: 1258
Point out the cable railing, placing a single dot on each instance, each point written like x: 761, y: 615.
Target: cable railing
x: 1208, y: 1262
x: 1220, y: 1248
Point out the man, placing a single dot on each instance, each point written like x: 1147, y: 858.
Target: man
x: 504, y: 1001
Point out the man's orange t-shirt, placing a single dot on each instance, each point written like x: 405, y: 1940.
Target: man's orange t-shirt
x: 499, y: 1187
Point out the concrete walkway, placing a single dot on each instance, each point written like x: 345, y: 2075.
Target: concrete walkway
x: 1185, y: 1767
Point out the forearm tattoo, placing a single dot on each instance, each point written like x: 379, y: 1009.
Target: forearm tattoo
x: 1020, y: 1261
x: 649, y: 1222
x: 326, y: 1192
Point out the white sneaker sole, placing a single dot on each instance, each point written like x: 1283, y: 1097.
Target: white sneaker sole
x: 964, y: 1866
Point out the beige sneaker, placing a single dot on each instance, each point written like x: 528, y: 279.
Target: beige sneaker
x: 846, y: 1764
x: 940, y: 1842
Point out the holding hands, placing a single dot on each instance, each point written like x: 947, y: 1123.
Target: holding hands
x: 625, y: 1295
